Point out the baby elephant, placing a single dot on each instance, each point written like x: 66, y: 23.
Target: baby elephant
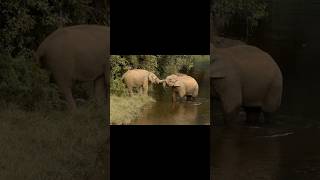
x: 139, y: 78
x: 183, y: 85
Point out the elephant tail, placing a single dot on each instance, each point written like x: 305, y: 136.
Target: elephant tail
x: 123, y: 76
x: 37, y: 58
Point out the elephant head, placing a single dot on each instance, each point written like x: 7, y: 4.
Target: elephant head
x: 153, y: 78
x: 173, y: 80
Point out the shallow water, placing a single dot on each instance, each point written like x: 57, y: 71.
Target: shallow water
x: 164, y: 112
x: 288, y: 149
x: 265, y: 153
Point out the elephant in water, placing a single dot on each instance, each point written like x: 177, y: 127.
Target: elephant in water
x: 245, y: 76
x: 139, y: 78
x: 183, y: 85
x: 80, y: 53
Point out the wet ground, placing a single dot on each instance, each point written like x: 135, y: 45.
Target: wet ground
x: 164, y: 112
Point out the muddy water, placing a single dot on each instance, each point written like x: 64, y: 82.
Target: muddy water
x: 264, y: 153
x: 163, y: 112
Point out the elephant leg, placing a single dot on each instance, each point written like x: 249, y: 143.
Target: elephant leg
x: 231, y: 116
x: 130, y: 91
x: 100, y: 90
x: 267, y: 117
x: 253, y: 114
x: 174, y: 97
x: 145, y: 88
x: 141, y: 90
x: 65, y: 89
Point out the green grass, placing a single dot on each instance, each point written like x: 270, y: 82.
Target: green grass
x: 53, y: 144
x: 125, y: 109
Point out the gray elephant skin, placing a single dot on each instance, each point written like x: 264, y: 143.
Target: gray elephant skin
x: 79, y: 52
x: 139, y: 78
x: 245, y: 77
x: 182, y: 85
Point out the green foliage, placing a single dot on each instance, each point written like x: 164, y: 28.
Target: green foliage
x: 24, y: 25
x: 161, y: 65
x: 249, y: 12
x: 25, y: 84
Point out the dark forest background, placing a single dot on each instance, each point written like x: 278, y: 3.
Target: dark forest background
x: 24, y: 24
x: 289, y: 31
x: 38, y: 140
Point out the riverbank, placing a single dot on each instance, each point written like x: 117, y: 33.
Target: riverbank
x: 123, y: 110
x: 52, y: 144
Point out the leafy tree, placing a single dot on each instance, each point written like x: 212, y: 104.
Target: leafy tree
x: 227, y: 12
x: 23, y: 26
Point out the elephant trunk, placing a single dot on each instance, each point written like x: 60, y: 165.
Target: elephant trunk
x: 158, y: 81
x: 163, y: 83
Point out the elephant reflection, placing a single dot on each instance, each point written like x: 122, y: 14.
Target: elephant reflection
x: 245, y: 76
x: 183, y: 113
x: 177, y: 113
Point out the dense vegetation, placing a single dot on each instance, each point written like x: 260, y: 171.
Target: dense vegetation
x: 237, y: 17
x: 38, y: 140
x: 24, y: 25
x: 161, y: 65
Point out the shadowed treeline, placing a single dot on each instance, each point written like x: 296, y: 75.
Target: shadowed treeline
x: 39, y: 139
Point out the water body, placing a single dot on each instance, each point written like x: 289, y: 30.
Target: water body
x: 163, y: 112
x: 287, y: 148
x: 265, y: 153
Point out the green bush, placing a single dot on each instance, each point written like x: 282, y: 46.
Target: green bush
x: 247, y: 12
x: 22, y: 82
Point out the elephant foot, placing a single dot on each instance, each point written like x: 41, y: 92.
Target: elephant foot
x: 252, y: 115
x: 189, y: 98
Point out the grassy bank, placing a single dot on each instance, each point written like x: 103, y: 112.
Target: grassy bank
x: 125, y: 109
x: 53, y: 145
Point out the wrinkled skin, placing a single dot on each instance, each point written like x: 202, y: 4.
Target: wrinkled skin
x: 139, y: 78
x: 182, y: 85
x: 245, y: 76
x: 78, y: 53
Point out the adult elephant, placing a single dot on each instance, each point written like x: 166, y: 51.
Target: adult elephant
x: 78, y: 53
x: 183, y: 85
x: 139, y: 78
x: 245, y: 76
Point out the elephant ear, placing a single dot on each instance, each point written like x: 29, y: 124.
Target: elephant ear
x: 152, y: 77
x: 178, y: 83
x: 217, y: 68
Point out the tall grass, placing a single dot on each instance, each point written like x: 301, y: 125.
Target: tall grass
x: 53, y: 145
x: 125, y: 109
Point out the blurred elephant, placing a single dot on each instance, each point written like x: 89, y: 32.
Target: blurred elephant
x: 139, y: 78
x: 222, y: 42
x: 245, y: 76
x: 80, y: 53
x: 183, y: 85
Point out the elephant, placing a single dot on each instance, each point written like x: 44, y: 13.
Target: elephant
x: 245, y: 77
x: 222, y: 42
x: 139, y: 78
x: 183, y: 85
x: 79, y: 52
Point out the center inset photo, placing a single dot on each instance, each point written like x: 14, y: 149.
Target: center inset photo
x: 159, y: 90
